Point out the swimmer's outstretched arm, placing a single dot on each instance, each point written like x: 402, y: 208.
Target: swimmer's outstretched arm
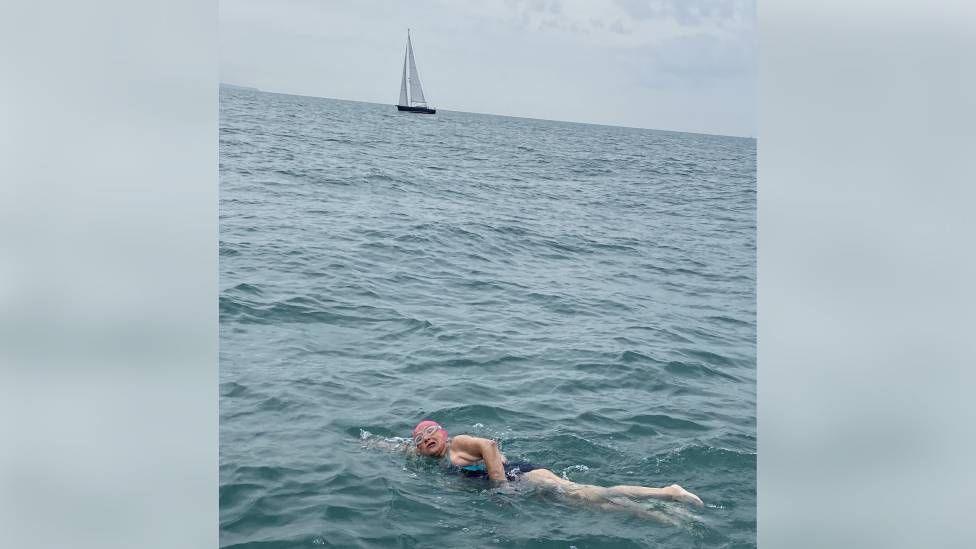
x: 475, y: 448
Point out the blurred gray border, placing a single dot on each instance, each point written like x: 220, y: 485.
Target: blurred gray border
x: 108, y: 274
x: 865, y: 273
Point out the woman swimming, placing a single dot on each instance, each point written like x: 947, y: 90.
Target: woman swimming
x: 480, y: 457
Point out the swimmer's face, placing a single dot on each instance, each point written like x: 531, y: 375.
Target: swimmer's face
x: 430, y: 440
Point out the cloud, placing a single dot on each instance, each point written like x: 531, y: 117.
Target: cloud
x: 618, y: 23
x: 689, y: 12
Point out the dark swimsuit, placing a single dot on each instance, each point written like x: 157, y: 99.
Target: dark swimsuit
x: 512, y: 469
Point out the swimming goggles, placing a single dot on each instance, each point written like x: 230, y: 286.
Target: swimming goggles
x: 429, y: 430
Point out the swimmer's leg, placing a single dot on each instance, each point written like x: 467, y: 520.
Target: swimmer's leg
x: 597, y: 495
x: 546, y: 478
x: 673, y: 493
x: 586, y: 492
x: 626, y: 505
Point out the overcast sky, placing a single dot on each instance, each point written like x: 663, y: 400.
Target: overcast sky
x: 686, y: 65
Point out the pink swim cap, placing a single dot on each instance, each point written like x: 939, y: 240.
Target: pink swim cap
x: 427, y: 423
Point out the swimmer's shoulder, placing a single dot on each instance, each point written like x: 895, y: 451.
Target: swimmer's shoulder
x: 466, y: 444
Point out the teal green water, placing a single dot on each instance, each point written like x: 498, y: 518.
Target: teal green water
x: 584, y: 294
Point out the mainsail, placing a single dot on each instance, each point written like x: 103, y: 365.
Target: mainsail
x: 411, y: 76
x: 416, y: 91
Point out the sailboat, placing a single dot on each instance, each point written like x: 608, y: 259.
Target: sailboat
x: 414, y: 101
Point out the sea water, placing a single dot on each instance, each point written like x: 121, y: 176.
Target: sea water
x: 583, y: 294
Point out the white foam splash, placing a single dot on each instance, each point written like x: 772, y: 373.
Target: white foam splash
x: 578, y: 467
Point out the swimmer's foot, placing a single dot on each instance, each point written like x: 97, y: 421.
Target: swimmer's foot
x: 678, y: 493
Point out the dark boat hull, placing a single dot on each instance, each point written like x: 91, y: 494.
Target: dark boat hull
x: 423, y: 110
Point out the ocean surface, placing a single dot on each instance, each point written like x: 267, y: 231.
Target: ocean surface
x: 583, y: 294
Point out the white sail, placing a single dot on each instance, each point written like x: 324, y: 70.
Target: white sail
x: 416, y: 91
x: 403, y: 83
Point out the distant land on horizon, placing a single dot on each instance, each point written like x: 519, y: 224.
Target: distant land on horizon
x: 237, y: 87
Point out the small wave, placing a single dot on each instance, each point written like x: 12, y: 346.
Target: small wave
x: 663, y: 421
x: 246, y: 288
x: 461, y: 363
x: 234, y: 494
x: 618, y: 248
x: 642, y: 431
x: 553, y: 449
x: 308, y: 310
x: 274, y: 404
x: 572, y: 387
x: 261, y: 473
x: 232, y: 389
x: 728, y: 320
x: 477, y: 413
x: 692, y: 369
x: 695, y: 457
x: 708, y: 357
x: 635, y: 356
x: 383, y: 178
x: 597, y: 368
x: 413, y: 238
x: 226, y: 250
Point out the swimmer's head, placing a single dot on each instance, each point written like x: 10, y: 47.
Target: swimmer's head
x: 430, y: 438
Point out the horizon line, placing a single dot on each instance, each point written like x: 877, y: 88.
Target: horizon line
x: 493, y: 114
